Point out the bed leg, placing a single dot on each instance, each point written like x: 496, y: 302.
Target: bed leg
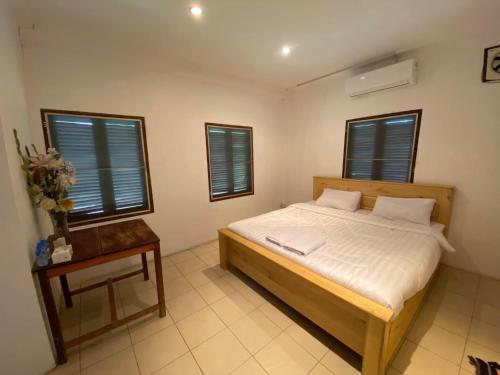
x: 223, y: 251
x: 374, y: 347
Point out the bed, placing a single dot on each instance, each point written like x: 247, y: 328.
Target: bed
x: 371, y: 324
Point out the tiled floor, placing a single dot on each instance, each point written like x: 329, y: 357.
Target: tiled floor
x: 222, y: 323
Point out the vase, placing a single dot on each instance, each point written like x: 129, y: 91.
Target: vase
x: 59, y: 221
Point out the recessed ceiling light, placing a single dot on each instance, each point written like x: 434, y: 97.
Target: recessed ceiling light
x: 196, y: 10
x: 285, y: 50
x: 362, y: 77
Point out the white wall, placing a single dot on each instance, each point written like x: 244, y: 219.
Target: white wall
x: 459, y: 140
x: 24, y: 345
x: 176, y: 104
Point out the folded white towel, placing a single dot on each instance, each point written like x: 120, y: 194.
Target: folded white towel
x: 301, y: 241
x: 304, y: 245
x: 280, y: 236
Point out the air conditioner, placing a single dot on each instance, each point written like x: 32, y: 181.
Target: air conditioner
x: 395, y: 75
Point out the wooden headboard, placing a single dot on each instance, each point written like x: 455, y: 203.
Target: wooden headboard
x: 371, y: 189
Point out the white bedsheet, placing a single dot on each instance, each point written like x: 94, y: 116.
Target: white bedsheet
x: 387, y: 261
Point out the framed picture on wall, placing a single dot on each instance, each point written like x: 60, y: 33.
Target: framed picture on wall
x: 491, y: 64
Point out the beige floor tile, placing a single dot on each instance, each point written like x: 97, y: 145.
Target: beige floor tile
x: 438, y: 340
x: 159, y: 350
x: 121, y: 363
x: 214, y: 244
x: 70, y: 319
x: 487, y: 313
x: 453, y: 301
x: 185, y: 305
x: 191, y: 265
x: 284, y: 356
x: 252, y: 296
x: 446, y: 318
x: 215, y: 290
x: 134, y: 285
x: 310, y: 343
x: 211, y: 258
x: 414, y: 360
x: 202, y: 249
x: 465, y: 372
x: 200, y: 326
x: 489, y: 290
x: 176, y: 288
x: 69, y: 368
x: 166, y: 260
x: 276, y: 316
x: 201, y: 277
x: 104, y: 346
x: 219, y: 271
x: 184, y: 365
x: 100, y: 278
x: 231, y: 308
x: 98, y: 318
x: 170, y: 273
x: 485, y: 334
x: 148, y: 325
x: 220, y: 354
x: 476, y: 350
x: 255, y: 330
x: 250, y: 367
x: 338, y: 364
x: 235, y: 282
x: 95, y: 310
x: 181, y: 256
x: 457, y: 281
x: 319, y: 369
x: 134, y: 303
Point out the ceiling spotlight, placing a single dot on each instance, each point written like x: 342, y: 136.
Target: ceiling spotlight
x: 196, y: 10
x: 285, y: 50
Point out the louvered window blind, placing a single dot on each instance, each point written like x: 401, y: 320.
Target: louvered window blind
x: 382, y: 147
x: 230, y: 160
x: 110, y: 159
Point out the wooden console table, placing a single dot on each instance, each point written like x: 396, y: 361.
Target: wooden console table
x: 91, y: 247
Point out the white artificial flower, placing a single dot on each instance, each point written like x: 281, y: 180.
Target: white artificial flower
x: 55, y: 163
x: 47, y: 203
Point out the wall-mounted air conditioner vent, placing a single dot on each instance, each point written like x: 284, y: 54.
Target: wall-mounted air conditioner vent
x: 395, y: 75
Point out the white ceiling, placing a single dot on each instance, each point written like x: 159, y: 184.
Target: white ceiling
x: 242, y: 38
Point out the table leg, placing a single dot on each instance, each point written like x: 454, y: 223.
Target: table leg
x: 55, y: 326
x: 159, y: 281
x: 66, y: 293
x: 145, y: 266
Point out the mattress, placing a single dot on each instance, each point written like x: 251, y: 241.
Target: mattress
x: 384, y: 260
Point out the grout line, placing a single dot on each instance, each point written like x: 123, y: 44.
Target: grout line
x: 129, y: 335
x: 443, y: 328
x: 470, y: 322
x: 176, y: 358
x: 254, y: 308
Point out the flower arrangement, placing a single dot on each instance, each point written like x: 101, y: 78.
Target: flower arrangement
x: 48, y: 177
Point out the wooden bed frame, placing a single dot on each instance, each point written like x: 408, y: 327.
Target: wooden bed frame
x: 365, y: 326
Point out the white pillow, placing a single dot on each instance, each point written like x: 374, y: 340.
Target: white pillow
x: 415, y: 210
x: 341, y: 199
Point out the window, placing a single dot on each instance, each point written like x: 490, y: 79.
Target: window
x: 382, y: 147
x: 230, y: 160
x: 109, y: 153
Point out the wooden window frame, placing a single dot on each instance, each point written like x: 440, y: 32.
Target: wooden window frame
x: 411, y: 170
x: 252, y: 191
x: 149, y: 195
